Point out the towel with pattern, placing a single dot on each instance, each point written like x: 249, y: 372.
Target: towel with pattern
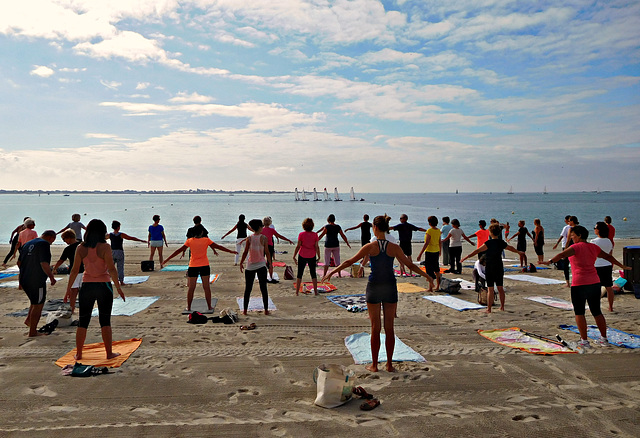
x: 359, y: 345
x: 616, y: 337
x: 307, y: 286
x: 212, y: 278
x: 453, y: 302
x: 7, y: 274
x: 515, y: 338
x: 349, y: 301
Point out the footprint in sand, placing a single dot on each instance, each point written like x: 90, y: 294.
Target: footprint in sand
x: 41, y: 390
x: 277, y: 431
x: 526, y: 418
x: 63, y: 408
x: 277, y: 369
x: 218, y: 380
x: 144, y: 411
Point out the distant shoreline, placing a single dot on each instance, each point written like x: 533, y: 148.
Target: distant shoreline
x: 139, y: 192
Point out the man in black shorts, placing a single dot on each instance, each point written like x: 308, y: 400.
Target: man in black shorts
x: 405, y: 234
x: 35, y: 268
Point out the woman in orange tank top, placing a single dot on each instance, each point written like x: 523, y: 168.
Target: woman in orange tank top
x: 99, y: 272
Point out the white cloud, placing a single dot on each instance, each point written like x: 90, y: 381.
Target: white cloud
x: 194, y: 97
x: 142, y: 85
x: 112, y: 85
x: 42, y: 71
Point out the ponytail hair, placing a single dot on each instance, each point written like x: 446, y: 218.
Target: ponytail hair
x: 382, y: 222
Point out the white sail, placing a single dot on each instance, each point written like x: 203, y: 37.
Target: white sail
x: 315, y: 195
x: 304, y: 196
x: 326, y: 195
x: 297, y: 196
x: 352, y: 196
x: 336, y: 196
x: 510, y: 192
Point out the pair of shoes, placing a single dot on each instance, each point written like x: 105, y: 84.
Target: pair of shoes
x: 370, y: 405
x: 602, y: 342
x: 584, y: 344
x: 251, y: 326
x: 48, y: 328
x: 361, y: 392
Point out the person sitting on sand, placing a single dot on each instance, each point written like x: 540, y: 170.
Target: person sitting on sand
x: 117, y: 249
x: 69, y: 253
x: 382, y: 290
x: 431, y: 249
x: 99, y: 273
x: 308, y: 252
x: 34, y: 263
x: 494, y: 270
x: 585, y: 283
x: 256, y: 250
x: 198, y: 265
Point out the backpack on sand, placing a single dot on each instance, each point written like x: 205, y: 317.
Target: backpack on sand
x: 449, y: 286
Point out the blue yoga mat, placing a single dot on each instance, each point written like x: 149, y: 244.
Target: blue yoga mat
x: 7, y: 274
x: 359, y: 345
x: 616, y: 337
x: 175, y: 268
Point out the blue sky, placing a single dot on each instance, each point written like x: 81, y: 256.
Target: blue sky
x: 385, y: 96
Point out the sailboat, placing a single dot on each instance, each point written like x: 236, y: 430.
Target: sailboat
x: 315, y: 195
x: 304, y: 196
x: 336, y: 196
x: 326, y: 195
x: 545, y: 191
x: 510, y: 192
x: 352, y: 196
x: 297, y: 196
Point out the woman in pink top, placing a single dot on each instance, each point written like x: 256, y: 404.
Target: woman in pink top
x: 585, y: 283
x: 269, y: 231
x: 99, y: 272
x: 258, y: 262
x: 308, y: 253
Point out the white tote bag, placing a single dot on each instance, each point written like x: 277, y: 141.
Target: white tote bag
x: 334, y: 385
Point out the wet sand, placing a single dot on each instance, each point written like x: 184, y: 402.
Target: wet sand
x: 189, y: 380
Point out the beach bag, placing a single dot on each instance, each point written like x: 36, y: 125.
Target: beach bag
x: 449, y: 286
x: 356, y: 271
x: 530, y: 268
x: 63, y: 315
x: 334, y: 385
x: 288, y: 273
x: 197, y: 318
x: 483, y: 297
x: 146, y: 265
x: 80, y: 370
x: 229, y: 316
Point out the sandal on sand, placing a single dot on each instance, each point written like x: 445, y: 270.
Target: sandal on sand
x: 48, y: 328
x: 251, y: 326
x: 360, y: 392
x: 370, y: 405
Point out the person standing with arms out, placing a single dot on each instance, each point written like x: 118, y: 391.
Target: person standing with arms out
x: 482, y: 235
x: 431, y: 249
x: 604, y: 268
x: 269, y: 230
x: 258, y: 261
x: 13, y: 240
x: 382, y: 290
x: 538, y: 239
x: 35, y: 267
x: 566, y: 242
x: 365, y: 230
x: 444, y: 232
x: 405, y: 235
x: 494, y: 270
x: 332, y: 244
x: 69, y: 253
x: 455, y: 247
x: 156, y: 238
x: 99, y: 271
x: 612, y: 229
x: 117, y: 249
x: 76, y: 226
x: 308, y: 252
x: 522, y: 234
x: 241, y: 235
x: 585, y: 283
x: 28, y: 233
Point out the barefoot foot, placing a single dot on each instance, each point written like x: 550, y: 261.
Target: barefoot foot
x: 112, y: 355
x: 373, y: 368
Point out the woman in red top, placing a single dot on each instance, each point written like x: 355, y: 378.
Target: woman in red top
x: 585, y: 282
x: 308, y: 253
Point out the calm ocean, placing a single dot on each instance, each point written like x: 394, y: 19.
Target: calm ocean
x: 220, y: 211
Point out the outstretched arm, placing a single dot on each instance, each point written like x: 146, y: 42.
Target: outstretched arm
x: 344, y: 238
x: 360, y: 254
x: 215, y: 246
x: 182, y: 249
x: 126, y: 236
x: 611, y: 259
x: 395, y: 251
x: 353, y: 228
x: 230, y: 231
x: 477, y: 250
x: 563, y: 255
x: 280, y: 236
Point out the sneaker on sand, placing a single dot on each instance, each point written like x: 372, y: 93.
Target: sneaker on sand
x: 584, y: 344
x: 602, y: 342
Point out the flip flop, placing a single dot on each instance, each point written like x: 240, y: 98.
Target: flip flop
x: 49, y: 328
x: 370, y: 405
x: 360, y: 392
x: 251, y: 326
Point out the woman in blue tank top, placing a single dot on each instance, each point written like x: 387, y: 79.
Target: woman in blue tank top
x: 382, y: 291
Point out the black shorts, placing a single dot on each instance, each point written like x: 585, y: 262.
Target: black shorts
x: 405, y: 246
x: 605, y: 273
x: 382, y: 293
x: 37, y: 294
x: 432, y: 263
x: 202, y: 271
x: 589, y: 293
x: 494, y: 274
x: 539, y: 249
x: 521, y: 246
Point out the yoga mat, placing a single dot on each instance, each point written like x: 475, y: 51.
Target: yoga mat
x: 13, y: 268
x: 322, y: 287
x: 410, y: 288
x: 345, y: 301
x: 136, y: 279
x: 16, y: 283
x: 279, y: 264
x: 359, y: 345
x: 200, y: 305
x: 7, y: 274
x: 130, y: 306
x: 255, y: 304
x: 464, y: 284
x: 533, y: 279
x: 212, y: 278
x: 175, y: 268
x: 514, y: 338
x: 537, y: 267
x: 454, y: 303
x: 616, y: 337
x: 94, y: 354
x: 558, y: 303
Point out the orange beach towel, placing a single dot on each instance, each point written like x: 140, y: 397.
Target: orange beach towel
x: 93, y: 354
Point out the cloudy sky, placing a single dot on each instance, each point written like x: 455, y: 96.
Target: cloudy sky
x: 385, y: 96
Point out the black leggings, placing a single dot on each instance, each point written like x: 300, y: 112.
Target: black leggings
x: 431, y: 263
x: 455, y: 253
x: 589, y: 293
x: 89, y: 294
x: 249, y: 277
x: 302, y: 262
x: 14, y: 243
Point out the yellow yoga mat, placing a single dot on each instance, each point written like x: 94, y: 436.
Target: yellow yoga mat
x: 94, y: 354
x: 409, y: 288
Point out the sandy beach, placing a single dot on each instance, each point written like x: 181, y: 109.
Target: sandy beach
x: 215, y: 379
